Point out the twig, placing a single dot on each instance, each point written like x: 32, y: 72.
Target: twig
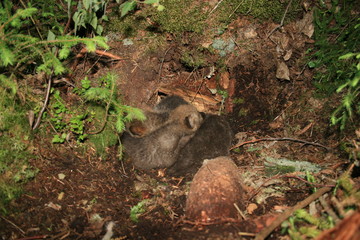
x: 236, y: 8
x: 215, y: 7
x: 38, y: 120
x: 162, y: 62
x: 280, y: 139
x: 34, y: 237
x: 239, y: 211
x: 33, y: 21
x: 266, y: 231
x: 198, y: 90
x: 282, y: 20
x: 101, y: 53
x: 13, y: 224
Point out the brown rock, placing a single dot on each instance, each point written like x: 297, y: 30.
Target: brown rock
x: 215, y: 189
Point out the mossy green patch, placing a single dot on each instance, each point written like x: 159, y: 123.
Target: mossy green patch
x: 106, y: 138
x: 14, y: 138
x: 193, y: 59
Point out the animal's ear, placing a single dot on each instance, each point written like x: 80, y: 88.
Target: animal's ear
x: 137, y: 129
x: 193, y: 121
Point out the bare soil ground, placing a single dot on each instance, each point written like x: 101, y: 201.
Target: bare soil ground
x: 76, y: 194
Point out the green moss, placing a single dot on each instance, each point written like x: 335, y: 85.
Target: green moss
x: 259, y: 9
x: 105, y: 139
x: 14, y: 142
x: 243, y: 112
x: 127, y: 26
x: 193, y: 59
x: 180, y: 16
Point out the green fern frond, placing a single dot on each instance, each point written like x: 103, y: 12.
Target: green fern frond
x: 64, y: 52
x: 120, y: 124
x: 133, y: 113
x: 50, y: 63
x: 6, y: 56
x: 98, y: 94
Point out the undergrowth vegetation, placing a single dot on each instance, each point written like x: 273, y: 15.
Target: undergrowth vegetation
x: 29, y: 50
x: 303, y: 225
x: 336, y: 57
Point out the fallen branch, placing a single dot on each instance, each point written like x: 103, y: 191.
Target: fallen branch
x: 280, y: 139
x: 100, y: 53
x: 46, y: 101
x: 266, y: 231
x: 14, y: 225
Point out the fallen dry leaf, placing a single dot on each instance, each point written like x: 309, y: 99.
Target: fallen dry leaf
x: 251, y: 208
x: 282, y: 71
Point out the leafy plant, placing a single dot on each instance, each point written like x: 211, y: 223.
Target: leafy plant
x: 130, y: 5
x: 337, y: 36
x: 90, y: 13
x: 17, y: 49
x: 310, y: 178
x: 59, y: 113
x: 107, y: 97
x: 23, y: 50
x: 137, y: 210
x: 350, y: 104
x: 303, y: 225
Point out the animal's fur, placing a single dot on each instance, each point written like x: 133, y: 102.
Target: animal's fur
x: 163, y: 140
x: 212, y: 139
x: 175, y: 135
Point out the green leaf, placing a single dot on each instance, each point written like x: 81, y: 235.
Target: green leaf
x: 312, y: 64
x: 347, y: 56
x: 94, y: 21
x: 51, y: 36
x: 99, y: 30
x: 354, y: 82
x: 58, y: 139
x: 87, y: 4
x: 151, y: 1
x: 339, y: 89
x: 160, y: 8
x: 105, y: 18
x: 127, y: 7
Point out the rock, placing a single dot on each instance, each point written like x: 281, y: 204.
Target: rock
x: 215, y: 189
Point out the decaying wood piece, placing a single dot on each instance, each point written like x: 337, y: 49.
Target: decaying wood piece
x: 214, y: 192
x: 202, y: 103
x: 348, y: 229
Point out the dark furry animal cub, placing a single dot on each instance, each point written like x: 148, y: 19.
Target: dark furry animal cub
x: 162, y: 135
x: 211, y: 140
x: 175, y: 135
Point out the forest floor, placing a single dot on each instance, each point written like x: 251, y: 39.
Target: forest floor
x: 271, y: 104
